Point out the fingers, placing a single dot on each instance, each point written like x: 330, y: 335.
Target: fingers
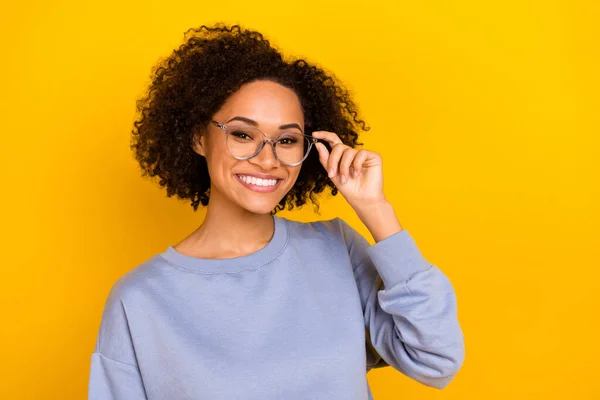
x: 334, y: 159
x: 338, y: 162
x: 358, y: 161
x: 330, y: 162
x: 323, y: 154
x: 345, y: 163
x: 342, y: 161
x: 329, y: 137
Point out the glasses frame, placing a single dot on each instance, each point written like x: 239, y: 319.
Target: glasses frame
x: 224, y: 127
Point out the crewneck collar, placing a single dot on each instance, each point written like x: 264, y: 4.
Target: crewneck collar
x: 236, y: 264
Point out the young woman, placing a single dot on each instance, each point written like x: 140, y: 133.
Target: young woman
x: 251, y: 305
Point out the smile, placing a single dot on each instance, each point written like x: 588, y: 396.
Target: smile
x: 258, y: 184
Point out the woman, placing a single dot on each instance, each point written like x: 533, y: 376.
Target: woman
x: 251, y: 305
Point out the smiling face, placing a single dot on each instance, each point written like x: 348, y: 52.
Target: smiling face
x: 269, y: 106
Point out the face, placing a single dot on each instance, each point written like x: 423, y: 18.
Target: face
x: 270, y: 105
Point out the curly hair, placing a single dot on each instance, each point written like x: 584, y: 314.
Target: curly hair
x: 194, y: 82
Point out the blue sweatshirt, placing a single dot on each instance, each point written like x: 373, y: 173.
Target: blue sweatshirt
x: 305, y: 317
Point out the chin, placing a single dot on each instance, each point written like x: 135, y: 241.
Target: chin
x: 259, y: 207
x: 260, y: 203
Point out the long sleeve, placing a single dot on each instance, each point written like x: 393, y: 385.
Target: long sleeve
x: 114, y: 380
x: 114, y: 374
x: 410, y: 309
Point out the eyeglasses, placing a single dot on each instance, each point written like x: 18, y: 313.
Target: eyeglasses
x: 245, y: 142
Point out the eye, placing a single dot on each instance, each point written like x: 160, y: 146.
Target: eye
x: 287, y: 140
x: 239, y: 134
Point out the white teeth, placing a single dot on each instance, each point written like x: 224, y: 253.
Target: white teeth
x: 258, y: 181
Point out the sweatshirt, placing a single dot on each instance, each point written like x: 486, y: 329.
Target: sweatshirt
x: 305, y: 317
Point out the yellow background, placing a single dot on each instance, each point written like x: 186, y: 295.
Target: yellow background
x: 487, y: 118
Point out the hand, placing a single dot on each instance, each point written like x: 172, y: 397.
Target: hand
x: 357, y: 174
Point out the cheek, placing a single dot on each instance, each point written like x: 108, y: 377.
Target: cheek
x: 219, y: 162
x: 218, y: 151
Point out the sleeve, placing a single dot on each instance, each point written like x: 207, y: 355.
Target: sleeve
x: 410, y: 309
x: 114, y: 374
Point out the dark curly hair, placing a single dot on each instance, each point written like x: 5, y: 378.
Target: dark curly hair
x: 194, y: 82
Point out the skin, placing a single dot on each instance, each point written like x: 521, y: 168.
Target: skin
x: 237, y: 221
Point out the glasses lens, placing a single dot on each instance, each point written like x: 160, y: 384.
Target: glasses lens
x: 243, y: 141
x: 291, y: 148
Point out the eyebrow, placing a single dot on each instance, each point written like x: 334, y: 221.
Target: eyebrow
x: 254, y: 123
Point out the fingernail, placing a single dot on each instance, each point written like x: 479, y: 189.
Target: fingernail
x: 331, y: 173
x: 343, y: 179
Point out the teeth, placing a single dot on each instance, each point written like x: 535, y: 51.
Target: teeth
x: 258, y: 181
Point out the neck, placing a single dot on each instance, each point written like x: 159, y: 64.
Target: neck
x: 228, y: 232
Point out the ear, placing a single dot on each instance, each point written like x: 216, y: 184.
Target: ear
x: 199, y: 143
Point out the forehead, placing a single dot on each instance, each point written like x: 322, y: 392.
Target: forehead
x: 266, y: 102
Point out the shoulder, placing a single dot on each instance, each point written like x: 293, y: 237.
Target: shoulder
x: 328, y: 229
x: 114, y: 338
x: 138, y: 280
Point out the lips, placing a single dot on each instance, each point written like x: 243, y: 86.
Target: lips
x: 261, y: 176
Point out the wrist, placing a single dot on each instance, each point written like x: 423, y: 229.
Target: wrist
x: 380, y: 219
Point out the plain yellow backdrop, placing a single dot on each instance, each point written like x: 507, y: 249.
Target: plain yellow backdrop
x: 487, y: 118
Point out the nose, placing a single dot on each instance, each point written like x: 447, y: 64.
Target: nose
x: 266, y: 157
